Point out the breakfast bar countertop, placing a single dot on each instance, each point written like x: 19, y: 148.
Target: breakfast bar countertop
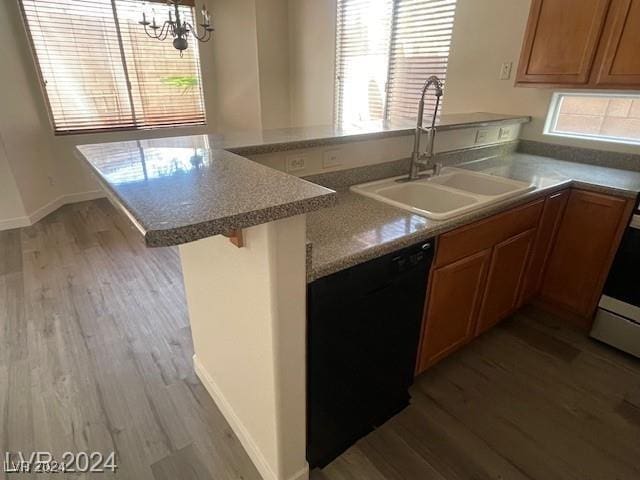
x: 358, y: 228
x: 179, y: 189
x: 276, y: 140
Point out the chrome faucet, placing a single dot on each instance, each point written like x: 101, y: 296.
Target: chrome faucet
x: 424, y: 160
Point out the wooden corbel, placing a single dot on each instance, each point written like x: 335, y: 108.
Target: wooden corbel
x: 235, y: 237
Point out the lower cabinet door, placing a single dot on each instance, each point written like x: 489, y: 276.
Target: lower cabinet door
x: 506, y: 274
x: 455, y: 293
x: 545, y: 238
x: 587, y: 240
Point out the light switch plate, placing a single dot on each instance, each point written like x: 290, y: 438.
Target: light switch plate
x: 505, y: 70
x: 296, y: 163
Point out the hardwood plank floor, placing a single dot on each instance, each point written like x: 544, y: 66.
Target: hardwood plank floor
x: 530, y: 399
x: 95, y: 355
x: 95, y: 352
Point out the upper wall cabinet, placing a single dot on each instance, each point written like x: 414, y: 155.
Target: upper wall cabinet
x: 618, y: 62
x: 582, y: 44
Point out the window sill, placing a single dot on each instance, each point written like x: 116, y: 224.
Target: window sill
x: 94, y: 131
x: 594, y: 138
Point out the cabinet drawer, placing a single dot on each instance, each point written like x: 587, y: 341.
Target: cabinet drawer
x: 486, y: 233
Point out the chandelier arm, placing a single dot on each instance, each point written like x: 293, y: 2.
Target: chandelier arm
x: 204, y: 37
x: 166, y: 29
x: 151, y: 35
x: 194, y: 31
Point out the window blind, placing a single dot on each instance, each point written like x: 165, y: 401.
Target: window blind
x: 100, y: 71
x: 420, y: 42
x: 362, y: 40
x: 385, y: 50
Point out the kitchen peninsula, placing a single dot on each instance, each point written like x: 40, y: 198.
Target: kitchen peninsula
x: 247, y: 300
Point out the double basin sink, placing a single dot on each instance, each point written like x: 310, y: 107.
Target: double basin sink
x: 452, y: 193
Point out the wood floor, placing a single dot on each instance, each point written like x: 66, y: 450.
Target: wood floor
x: 95, y: 355
x: 96, y: 352
x: 527, y: 400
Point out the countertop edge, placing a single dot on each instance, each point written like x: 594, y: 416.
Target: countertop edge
x: 190, y: 233
x: 110, y: 193
x: 315, y: 142
x: 358, y: 137
x: 170, y: 237
x: 485, y: 123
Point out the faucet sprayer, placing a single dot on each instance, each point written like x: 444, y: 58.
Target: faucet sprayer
x: 418, y: 160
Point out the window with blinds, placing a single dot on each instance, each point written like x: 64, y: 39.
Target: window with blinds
x: 385, y: 50
x: 362, y: 51
x: 100, y: 71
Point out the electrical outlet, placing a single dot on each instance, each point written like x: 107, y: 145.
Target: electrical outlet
x: 331, y: 158
x: 296, y: 163
x: 505, y: 70
x: 505, y: 133
x: 482, y: 136
x: 51, y: 180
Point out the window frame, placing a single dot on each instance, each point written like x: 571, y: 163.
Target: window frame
x: 43, y: 84
x: 554, y: 110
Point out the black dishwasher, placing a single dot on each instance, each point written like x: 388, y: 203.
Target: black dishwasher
x: 362, y: 339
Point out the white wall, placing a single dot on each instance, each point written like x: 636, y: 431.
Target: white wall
x: 235, y: 81
x: 12, y: 210
x: 312, y: 33
x: 272, y: 28
x: 486, y: 34
x: 247, y: 313
x: 23, y: 122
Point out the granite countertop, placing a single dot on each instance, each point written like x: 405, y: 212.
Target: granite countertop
x: 358, y: 228
x: 180, y: 189
x: 268, y: 141
x: 177, y: 190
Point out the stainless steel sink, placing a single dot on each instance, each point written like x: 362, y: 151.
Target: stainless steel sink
x: 454, y: 192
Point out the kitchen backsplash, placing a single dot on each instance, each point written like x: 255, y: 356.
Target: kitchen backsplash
x: 625, y: 161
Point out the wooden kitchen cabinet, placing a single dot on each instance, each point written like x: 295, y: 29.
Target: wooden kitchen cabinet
x: 586, y: 243
x: 452, y: 307
x: 618, y: 62
x: 458, y: 286
x: 561, y: 40
x: 506, y: 273
x: 559, y: 248
x: 550, y: 220
x: 581, y: 44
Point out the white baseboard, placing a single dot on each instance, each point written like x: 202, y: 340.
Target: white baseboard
x: 240, y: 430
x: 50, y: 207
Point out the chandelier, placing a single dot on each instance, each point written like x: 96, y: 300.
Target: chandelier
x: 177, y: 27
